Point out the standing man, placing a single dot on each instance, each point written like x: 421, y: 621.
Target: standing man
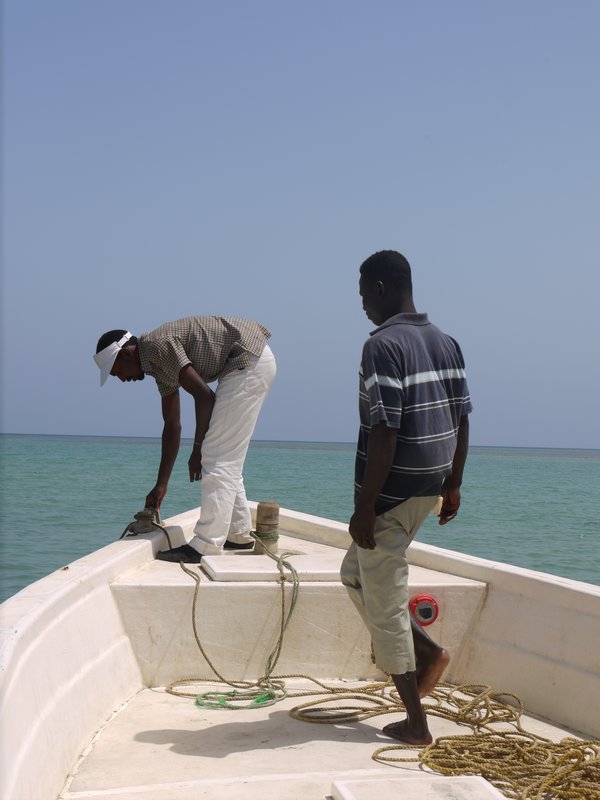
x: 191, y: 353
x: 412, y: 447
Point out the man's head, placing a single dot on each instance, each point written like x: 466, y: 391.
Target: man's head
x: 385, y: 286
x: 117, y: 354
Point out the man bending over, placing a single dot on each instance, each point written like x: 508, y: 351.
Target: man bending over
x: 191, y: 353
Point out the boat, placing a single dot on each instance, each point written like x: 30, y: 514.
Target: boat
x: 112, y: 673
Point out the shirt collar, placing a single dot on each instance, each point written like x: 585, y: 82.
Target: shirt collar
x: 408, y: 318
x: 144, y: 357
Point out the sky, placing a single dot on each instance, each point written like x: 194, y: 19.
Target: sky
x: 162, y: 158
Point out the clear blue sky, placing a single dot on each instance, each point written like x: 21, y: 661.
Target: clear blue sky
x: 170, y: 158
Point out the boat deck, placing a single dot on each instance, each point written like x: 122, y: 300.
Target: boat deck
x: 162, y: 747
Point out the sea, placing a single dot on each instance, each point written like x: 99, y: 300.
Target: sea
x: 62, y: 497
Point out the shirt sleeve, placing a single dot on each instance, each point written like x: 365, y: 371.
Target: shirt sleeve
x: 467, y: 406
x: 168, y: 358
x: 382, y: 379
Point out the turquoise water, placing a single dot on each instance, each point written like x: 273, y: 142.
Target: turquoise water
x: 64, y: 496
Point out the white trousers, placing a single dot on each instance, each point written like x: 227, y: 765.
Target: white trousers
x: 238, y: 399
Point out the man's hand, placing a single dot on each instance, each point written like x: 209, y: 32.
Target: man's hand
x: 362, y: 528
x: 380, y: 457
x: 450, y: 503
x: 451, y: 487
x: 195, y: 464
x: 204, y: 401
x: 156, y: 496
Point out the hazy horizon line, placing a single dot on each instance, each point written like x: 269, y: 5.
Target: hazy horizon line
x: 287, y: 441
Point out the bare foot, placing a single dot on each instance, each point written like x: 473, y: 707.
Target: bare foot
x: 429, y: 677
x: 404, y: 733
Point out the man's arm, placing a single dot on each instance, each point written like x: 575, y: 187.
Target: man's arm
x: 171, y: 436
x: 452, y: 484
x: 204, y: 400
x: 380, y: 457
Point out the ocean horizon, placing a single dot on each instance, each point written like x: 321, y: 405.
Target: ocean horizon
x: 187, y: 439
x: 64, y: 496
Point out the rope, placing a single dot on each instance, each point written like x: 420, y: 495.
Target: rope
x: 246, y: 694
x: 145, y: 521
x: 266, y: 537
x: 522, y: 765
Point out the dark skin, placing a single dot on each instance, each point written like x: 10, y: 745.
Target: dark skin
x: 380, y: 302
x: 127, y: 367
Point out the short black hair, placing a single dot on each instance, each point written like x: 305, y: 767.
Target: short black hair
x: 113, y: 336
x: 389, y: 267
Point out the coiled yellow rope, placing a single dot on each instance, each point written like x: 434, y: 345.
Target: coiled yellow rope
x: 520, y: 764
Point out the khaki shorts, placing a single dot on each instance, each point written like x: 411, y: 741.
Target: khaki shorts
x: 377, y: 582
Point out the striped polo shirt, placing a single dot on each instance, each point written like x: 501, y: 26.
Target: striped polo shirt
x: 214, y: 346
x: 412, y: 378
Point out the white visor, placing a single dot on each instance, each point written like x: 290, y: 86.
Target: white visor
x: 106, y: 358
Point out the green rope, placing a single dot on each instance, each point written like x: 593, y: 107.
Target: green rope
x: 250, y: 699
x: 266, y: 537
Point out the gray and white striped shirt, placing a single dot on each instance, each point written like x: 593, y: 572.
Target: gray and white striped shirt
x: 412, y: 378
